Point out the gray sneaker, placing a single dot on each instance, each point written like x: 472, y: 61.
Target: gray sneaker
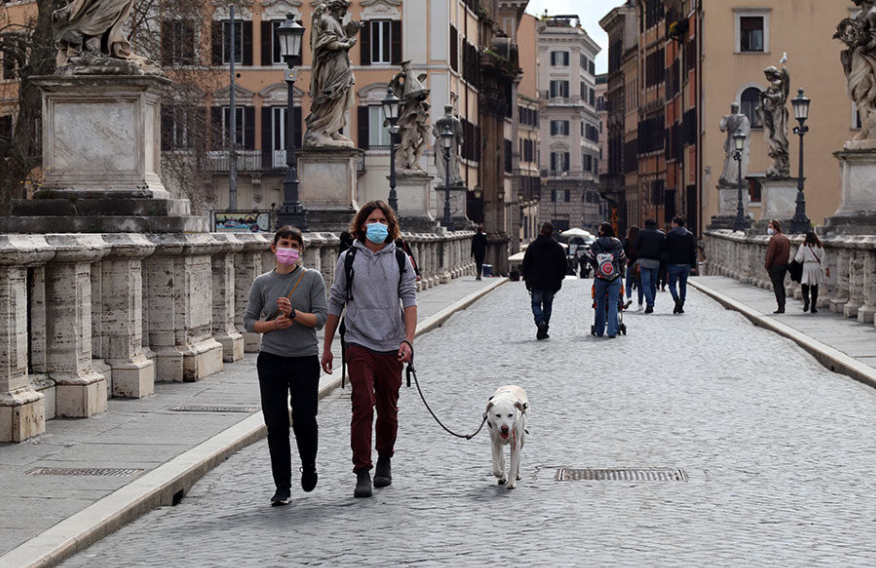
x: 383, y: 472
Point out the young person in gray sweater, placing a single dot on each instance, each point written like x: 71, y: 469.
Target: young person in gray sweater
x: 381, y: 321
x: 293, y: 301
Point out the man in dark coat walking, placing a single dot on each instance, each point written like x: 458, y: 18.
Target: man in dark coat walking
x: 544, y: 267
x: 681, y: 251
x: 479, y: 249
x: 650, y: 243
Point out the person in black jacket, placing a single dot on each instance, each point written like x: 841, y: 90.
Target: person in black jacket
x: 681, y: 254
x: 607, y: 256
x: 479, y: 249
x: 544, y: 267
x: 649, y: 244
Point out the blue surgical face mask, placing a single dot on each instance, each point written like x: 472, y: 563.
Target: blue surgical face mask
x: 376, y: 233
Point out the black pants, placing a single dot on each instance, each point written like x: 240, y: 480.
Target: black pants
x: 278, y: 378
x: 810, y: 290
x: 777, y: 276
x: 479, y: 262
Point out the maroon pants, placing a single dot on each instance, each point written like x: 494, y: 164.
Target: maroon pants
x: 376, y: 380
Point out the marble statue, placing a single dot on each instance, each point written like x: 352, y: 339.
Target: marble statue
x: 773, y: 113
x: 732, y: 123
x: 413, y: 119
x: 456, y: 128
x: 859, y: 64
x: 90, y: 39
x: 331, y: 83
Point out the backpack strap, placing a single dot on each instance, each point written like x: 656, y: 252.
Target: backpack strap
x: 348, y: 271
x: 400, y: 255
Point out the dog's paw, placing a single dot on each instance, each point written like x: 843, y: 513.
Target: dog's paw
x: 502, y: 480
x: 498, y: 474
x: 519, y: 477
x: 512, y: 485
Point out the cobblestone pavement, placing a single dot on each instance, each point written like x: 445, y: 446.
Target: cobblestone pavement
x: 777, y: 449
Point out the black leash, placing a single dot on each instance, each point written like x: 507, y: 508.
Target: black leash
x: 411, y: 371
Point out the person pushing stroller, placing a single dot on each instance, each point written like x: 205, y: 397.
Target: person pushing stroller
x: 607, y: 257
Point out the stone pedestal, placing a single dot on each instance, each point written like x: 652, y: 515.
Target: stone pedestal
x: 327, y: 186
x: 101, y: 161
x: 415, y: 203
x: 727, y: 206
x: 457, y: 206
x: 779, y: 199
x: 856, y: 214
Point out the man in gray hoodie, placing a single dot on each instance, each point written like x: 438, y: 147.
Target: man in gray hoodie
x: 381, y: 321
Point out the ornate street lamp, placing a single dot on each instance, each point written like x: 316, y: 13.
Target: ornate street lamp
x: 800, y: 223
x: 738, y: 144
x: 391, y: 106
x: 291, y: 212
x: 478, y: 192
x: 447, y: 143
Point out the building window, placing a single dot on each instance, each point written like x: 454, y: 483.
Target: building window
x: 380, y: 42
x: 561, y: 195
x: 222, y: 48
x: 226, y: 42
x: 177, y: 43
x: 559, y: 162
x: 752, y: 30
x: 749, y: 103
x: 175, y: 125
x: 560, y: 58
x: 559, y: 89
x: 244, y: 138
x: 6, y: 127
x: 559, y: 128
x: 378, y: 134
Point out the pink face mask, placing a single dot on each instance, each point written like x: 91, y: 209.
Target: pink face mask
x: 287, y: 255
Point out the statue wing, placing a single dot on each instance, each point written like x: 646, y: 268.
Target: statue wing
x: 786, y: 82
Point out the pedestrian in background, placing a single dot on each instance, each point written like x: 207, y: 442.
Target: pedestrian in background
x: 544, y: 267
x: 479, y: 249
x: 777, y: 258
x: 681, y: 258
x: 633, y: 278
x: 607, y: 256
x: 381, y: 322
x: 663, y: 272
x: 811, y: 255
x: 649, y: 245
x: 293, y: 300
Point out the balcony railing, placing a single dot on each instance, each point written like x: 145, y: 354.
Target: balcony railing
x: 247, y: 161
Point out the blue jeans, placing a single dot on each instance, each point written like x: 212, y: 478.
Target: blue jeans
x: 649, y: 284
x: 631, y: 279
x: 678, y: 272
x: 542, y: 302
x: 606, y: 291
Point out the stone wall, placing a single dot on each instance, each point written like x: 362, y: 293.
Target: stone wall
x: 84, y: 317
x: 850, y: 288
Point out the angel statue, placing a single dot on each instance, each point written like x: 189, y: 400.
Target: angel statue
x: 773, y: 113
x: 331, y: 82
x: 413, y: 119
x: 859, y: 64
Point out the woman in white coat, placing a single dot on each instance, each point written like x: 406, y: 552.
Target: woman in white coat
x: 811, y: 255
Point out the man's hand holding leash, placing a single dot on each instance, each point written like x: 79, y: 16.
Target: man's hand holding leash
x: 405, y: 351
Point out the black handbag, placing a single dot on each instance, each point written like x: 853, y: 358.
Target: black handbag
x: 795, y: 269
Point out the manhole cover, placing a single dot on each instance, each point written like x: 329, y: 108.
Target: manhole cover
x: 93, y: 471
x: 213, y: 408
x: 620, y: 474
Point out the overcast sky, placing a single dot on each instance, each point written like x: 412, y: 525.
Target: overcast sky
x: 590, y: 11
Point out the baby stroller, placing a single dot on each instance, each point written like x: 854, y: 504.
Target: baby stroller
x: 621, y: 326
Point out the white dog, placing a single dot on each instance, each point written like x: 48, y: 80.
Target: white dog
x: 506, y: 415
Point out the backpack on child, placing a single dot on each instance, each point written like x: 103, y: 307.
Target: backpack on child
x: 607, y: 267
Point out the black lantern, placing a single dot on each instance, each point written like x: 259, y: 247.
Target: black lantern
x: 740, y: 224
x: 800, y: 222
x: 447, y: 143
x: 391, y: 105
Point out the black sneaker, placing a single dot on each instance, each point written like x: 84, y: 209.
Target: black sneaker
x: 308, y: 478
x: 383, y: 472
x: 649, y: 309
x: 542, y: 331
x: 363, y: 483
x: 281, y: 498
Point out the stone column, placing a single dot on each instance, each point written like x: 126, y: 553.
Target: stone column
x: 856, y: 280
x: 22, y: 408
x: 181, y: 307
x: 247, y: 266
x: 224, y: 296
x: 841, y: 294
x: 133, y: 374
x: 868, y: 251
x: 80, y: 391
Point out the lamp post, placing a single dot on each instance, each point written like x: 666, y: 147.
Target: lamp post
x: 291, y: 212
x: 800, y: 223
x: 740, y: 224
x: 447, y: 143
x: 390, y: 110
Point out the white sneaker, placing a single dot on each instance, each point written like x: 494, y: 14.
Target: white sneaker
x: 640, y: 308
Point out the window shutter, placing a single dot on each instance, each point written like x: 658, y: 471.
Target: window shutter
x: 247, y: 43
x: 298, y: 128
x: 267, y: 134
x: 216, y: 40
x: 166, y: 126
x: 553, y: 161
x: 566, y: 162
x: 216, y: 127
x: 362, y: 123
x: 166, y: 43
x: 189, y: 51
x: 249, y: 128
x: 267, y: 45
x: 396, y: 26
x: 365, y: 44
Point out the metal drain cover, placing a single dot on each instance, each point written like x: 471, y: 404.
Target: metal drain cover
x: 213, y: 408
x: 619, y: 474
x: 92, y: 471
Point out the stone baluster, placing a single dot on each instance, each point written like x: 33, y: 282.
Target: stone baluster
x: 22, y: 408
x: 80, y: 391
x: 328, y: 258
x: 745, y: 274
x: 867, y: 249
x: 856, y: 279
x: 181, y: 307
x: 426, y: 256
x: 121, y: 303
x: 224, y: 297
x: 247, y: 266
x: 841, y: 294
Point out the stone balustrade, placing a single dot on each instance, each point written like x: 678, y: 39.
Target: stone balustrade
x: 87, y: 316
x: 850, y: 289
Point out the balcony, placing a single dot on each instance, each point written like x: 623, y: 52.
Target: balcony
x: 567, y: 174
x: 562, y: 101
x: 258, y: 161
